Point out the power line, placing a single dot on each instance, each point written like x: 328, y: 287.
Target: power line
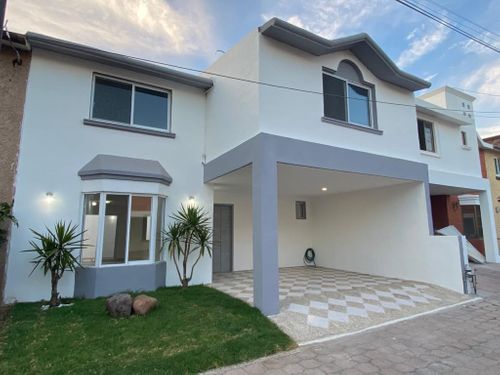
x: 462, y: 17
x: 447, y: 24
x: 296, y: 89
x: 476, y: 92
x: 486, y: 34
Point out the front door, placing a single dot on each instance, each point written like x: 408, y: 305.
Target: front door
x: 222, y: 256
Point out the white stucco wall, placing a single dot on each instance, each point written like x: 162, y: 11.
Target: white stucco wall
x: 294, y: 236
x: 232, y: 114
x: 55, y: 145
x: 384, y: 232
x: 450, y: 154
x: 298, y: 115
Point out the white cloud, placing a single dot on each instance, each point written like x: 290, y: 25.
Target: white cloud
x: 486, y: 80
x: 470, y: 46
x: 328, y: 18
x: 421, y: 45
x: 430, y: 77
x: 150, y: 28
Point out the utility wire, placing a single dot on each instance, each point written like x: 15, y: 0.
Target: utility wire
x: 447, y: 24
x: 481, y: 34
x: 476, y: 92
x: 462, y: 17
x: 296, y: 89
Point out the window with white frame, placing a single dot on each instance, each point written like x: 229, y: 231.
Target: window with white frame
x: 130, y: 104
x: 497, y: 167
x: 346, y: 101
x: 426, y: 136
x: 122, y: 228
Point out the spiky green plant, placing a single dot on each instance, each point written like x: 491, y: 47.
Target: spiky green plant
x: 54, y: 253
x: 5, y: 215
x: 188, y: 236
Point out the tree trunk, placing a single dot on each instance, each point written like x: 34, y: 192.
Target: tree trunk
x: 185, y: 282
x: 54, y: 296
x: 184, y: 276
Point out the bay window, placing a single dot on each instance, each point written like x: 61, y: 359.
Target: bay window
x: 122, y: 228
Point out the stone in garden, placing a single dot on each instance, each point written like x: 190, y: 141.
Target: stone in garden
x: 144, y: 304
x: 119, y: 305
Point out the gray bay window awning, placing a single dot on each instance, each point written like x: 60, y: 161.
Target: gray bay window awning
x: 124, y: 168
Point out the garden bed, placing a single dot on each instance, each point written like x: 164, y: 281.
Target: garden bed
x: 192, y: 330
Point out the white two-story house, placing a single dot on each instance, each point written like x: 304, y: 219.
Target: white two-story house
x: 290, y: 141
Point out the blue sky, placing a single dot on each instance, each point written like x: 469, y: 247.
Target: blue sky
x: 189, y: 32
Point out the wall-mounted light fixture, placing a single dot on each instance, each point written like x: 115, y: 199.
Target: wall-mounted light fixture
x: 324, y: 188
x: 49, y: 197
x: 191, y: 201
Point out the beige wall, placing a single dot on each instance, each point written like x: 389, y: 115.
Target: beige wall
x: 13, y: 81
x: 489, y: 156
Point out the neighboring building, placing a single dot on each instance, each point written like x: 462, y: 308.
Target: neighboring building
x: 117, y: 145
x: 14, y: 66
x: 490, y: 157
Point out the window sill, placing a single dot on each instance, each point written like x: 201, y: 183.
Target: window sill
x: 133, y: 129
x: 429, y: 153
x: 349, y: 125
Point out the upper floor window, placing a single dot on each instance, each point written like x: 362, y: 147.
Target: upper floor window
x: 128, y: 103
x: 426, y: 136
x: 465, y: 142
x: 497, y: 167
x: 346, y: 97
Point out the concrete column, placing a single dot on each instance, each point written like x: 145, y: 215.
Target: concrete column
x: 489, y: 227
x: 265, y: 234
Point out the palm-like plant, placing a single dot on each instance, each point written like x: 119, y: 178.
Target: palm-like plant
x: 5, y: 215
x: 54, y: 253
x: 188, y: 236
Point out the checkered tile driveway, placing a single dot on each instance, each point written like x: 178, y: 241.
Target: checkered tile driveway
x: 318, y: 302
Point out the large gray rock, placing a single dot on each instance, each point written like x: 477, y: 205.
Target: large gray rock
x: 144, y: 304
x: 119, y: 305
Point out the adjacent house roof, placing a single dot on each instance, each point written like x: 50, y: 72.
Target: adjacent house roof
x: 114, y: 59
x: 123, y: 168
x: 361, y: 45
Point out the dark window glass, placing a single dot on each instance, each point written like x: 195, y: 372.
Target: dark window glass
x: 359, y: 106
x: 426, y: 136
x: 334, y: 98
x: 471, y: 216
x: 115, y: 229
x: 112, y: 100
x: 150, y: 108
x: 300, y: 210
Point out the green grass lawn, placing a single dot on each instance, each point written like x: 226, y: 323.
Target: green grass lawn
x: 192, y: 330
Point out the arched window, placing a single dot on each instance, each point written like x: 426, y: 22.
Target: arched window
x: 347, y: 97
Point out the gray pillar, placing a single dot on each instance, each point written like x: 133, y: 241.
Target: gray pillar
x: 489, y: 227
x: 265, y: 234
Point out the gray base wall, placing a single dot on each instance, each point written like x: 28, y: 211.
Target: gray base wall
x: 93, y: 282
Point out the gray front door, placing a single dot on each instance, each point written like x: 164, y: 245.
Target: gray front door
x: 222, y: 256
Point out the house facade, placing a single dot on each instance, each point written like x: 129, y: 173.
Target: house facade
x: 290, y: 141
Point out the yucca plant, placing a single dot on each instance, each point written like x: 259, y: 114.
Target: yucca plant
x: 189, y: 236
x: 54, y: 253
x: 5, y: 215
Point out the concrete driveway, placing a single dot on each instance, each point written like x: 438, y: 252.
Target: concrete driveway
x: 318, y: 303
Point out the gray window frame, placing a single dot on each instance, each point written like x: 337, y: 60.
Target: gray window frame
x: 373, y: 126
x: 300, y: 210
x: 130, y: 124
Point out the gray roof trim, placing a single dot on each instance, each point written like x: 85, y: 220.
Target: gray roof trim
x: 361, y: 45
x: 124, y: 168
x: 120, y: 61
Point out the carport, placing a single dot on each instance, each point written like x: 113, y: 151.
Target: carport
x: 361, y: 212
x: 320, y: 302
